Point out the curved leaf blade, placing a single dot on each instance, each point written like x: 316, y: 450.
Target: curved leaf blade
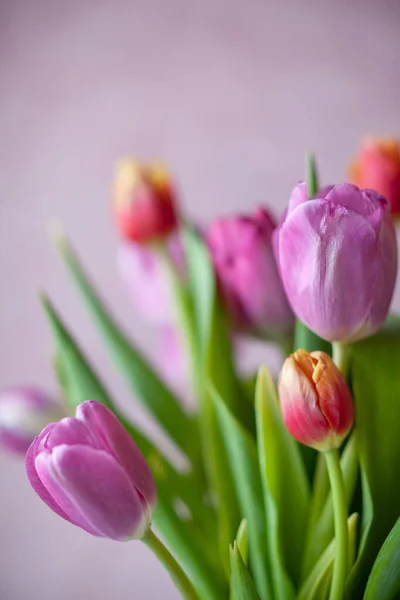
x: 384, y: 580
x: 285, y: 486
x: 376, y: 391
x: 241, y: 581
x: 242, y: 456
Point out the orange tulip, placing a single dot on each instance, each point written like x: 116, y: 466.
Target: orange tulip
x: 377, y: 166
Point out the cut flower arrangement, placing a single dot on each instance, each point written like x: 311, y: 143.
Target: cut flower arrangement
x: 289, y: 488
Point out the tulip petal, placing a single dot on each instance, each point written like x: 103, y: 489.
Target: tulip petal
x: 60, y: 497
x: 34, y: 478
x: 119, y: 443
x: 324, y: 248
x: 349, y: 196
x: 299, y: 401
x: 96, y: 491
x: 335, y: 399
x: 298, y: 196
x: 69, y: 431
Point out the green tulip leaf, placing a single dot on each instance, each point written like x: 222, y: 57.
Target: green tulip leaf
x: 242, y: 540
x: 376, y: 391
x: 241, y: 582
x: 213, y: 353
x: 213, y: 341
x: 285, y: 486
x: 384, y: 580
x: 312, y: 179
x: 142, y: 379
x: 243, y: 461
x: 317, y: 583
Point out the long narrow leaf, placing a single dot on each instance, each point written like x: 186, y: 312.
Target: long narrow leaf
x: 242, y: 453
x: 213, y: 354
x: 285, y: 486
x: 142, y: 379
x: 376, y: 391
x: 241, y: 581
x: 384, y: 580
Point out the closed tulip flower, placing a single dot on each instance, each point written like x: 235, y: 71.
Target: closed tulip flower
x: 24, y: 412
x: 90, y: 472
x: 377, y: 166
x: 316, y: 404
x: 337, y: 255
x: 143, y: 201
x: 242, y: 253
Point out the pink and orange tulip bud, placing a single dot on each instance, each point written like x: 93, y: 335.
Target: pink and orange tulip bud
x: 316, y: 403
x: 144, y: 202
x: 90, y: 472
x: 377, y: 166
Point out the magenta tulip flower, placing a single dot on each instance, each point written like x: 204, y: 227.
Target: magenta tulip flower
x: 24, y: 412
x: 91, y: 473
x: 242, y: 252
x: 316, y: 404
x: 337, y: 255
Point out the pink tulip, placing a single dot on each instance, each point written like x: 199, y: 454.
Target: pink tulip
x: 24, y: 412
x: 316, y: 403
x: 91, y: 473
x: 146, y: 279
x: 241, y: 249
x: 337, y: 255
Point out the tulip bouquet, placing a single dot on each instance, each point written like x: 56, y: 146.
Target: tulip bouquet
x: 287, y: 489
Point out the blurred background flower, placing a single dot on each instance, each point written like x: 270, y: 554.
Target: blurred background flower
x: 24, y: 412
x: 377, y: 166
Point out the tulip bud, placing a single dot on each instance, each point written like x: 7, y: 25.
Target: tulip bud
x: 377, y: 166
x: 24, y: 412
x: 316, y: 403
x: 242, y: 253
x: 337, y: 255
x: 143, y: 201
x: 90, y: 472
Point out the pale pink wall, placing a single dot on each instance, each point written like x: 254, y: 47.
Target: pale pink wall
x: 230, y: 93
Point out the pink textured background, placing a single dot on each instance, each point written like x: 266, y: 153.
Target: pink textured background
x: 230, y: 93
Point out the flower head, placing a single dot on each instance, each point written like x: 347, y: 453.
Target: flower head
x: 90, y: 472
x: 337, y: 255
x: 144, y: 202
x: 241, y: 249
x: 316, y: 403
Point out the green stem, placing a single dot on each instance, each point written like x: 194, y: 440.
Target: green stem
x: 340, y: 355
x: 184, y: 314
x: 340, y: 518
x: 167, y: 560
